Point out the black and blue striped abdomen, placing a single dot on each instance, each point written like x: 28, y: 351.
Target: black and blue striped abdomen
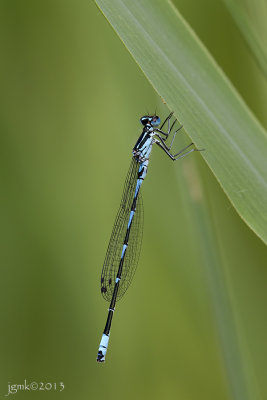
x: 126, y: 238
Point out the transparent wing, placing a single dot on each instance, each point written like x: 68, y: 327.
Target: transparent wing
x: 113, y: 255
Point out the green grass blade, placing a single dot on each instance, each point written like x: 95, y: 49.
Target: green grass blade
x: 251, y: 20
x: 194, y: 87
x: 209, y: 253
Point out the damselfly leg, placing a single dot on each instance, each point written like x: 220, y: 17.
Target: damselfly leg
x: 170, y: 127
x: 174, y: 156
x: 161, y: 142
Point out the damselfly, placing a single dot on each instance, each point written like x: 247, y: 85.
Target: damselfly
x: 125, y: 242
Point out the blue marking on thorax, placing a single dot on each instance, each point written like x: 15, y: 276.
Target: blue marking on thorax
x: 145, y: 150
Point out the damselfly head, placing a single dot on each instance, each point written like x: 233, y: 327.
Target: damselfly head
x: 153, y: 120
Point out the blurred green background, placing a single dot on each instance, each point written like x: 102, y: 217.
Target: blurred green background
x: 192, y: 326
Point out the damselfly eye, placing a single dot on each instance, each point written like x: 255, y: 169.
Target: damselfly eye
x: 151, y: 120
x: 155, y: 121
x: 145, y: 120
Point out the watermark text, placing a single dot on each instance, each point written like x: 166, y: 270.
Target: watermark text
x: 32, y: 386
